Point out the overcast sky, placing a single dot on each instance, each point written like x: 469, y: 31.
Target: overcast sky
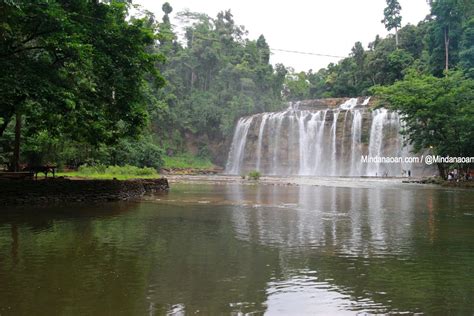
x: 318, y: 26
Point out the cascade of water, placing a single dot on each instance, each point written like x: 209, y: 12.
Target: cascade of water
x: 379, y: 119
x: 356, y: 132
x: 333, y: 149
x: 236, y: 154
x: 307, y: 142
x: 349, y: 104
x: 278, y: 122
x: 302, y: 141
x: 366, y: 101
x: 318, y: 166
x: 308, y: 132
x: 260, y: 139
x: 292, y: 143
x: 342, y: 145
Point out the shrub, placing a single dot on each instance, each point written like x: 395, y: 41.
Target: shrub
x: 139, y: 153
x: 186, y: 160
x: 254, y: 175
x: 126, y: 170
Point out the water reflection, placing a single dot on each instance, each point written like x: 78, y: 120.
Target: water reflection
x: 375, y: 248
x: 213, y: 249
x: 347, y: 220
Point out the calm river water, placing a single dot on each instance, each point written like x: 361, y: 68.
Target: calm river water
x: 212, y: 249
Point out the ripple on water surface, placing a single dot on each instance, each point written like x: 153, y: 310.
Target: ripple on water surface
x: 222, y: 249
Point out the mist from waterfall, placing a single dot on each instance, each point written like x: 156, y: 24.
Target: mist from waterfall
x: 324, y: 142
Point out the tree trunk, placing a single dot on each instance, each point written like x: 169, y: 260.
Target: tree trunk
x: 446, y: 50
x: 16, y: 150
x: 396, y: 37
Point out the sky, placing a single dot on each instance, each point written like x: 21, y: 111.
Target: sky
x: 328, y: 27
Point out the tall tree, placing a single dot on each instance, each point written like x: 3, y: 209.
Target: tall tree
x: 392, y: 18
x: 466, y: 54
x: 74, y: 68
x: 448, y: 26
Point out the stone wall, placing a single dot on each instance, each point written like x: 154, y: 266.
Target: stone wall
x: 84, y: 191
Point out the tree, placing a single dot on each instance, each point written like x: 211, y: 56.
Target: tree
x: 437, y: 113
x: 92, y: 65
x: 166, y: 29
x: 392, y: 18
x: 447, y: 28
x: 263, y: 50
x: 216, y: 78
x: 298, y: 85
x: 167, y: 9
x: 466, y: 54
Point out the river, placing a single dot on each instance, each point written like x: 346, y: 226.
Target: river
x: 212, y: 248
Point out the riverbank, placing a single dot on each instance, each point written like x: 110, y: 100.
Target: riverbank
x: 191, y: 171
x: 363, y: 182
x: 62, y: 190
x: 349, y: 182
x: 442, y: 182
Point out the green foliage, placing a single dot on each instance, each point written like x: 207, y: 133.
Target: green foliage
x: 392, y: 18
x: 438, y: 112
x: 254, y: 175
x: 187, y: 160
x: 142, y: 153
x: 297, y: 86
x: 117, y: 170
x: 216, y: 78
x: 450, y: 27
x: 102, y: 78
x: 109, y: 172
x: 445, y: 34
x: 466, y: 53
x: 75, y: 70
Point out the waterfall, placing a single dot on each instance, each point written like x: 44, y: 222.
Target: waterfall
x: 278, y: 122
x: 379, y: 117
x: 311, y: 141
x: 303, y: 141
x: 311, y: 136
x: 320, y: 147
x: 260, y: 139
x: 333, y: 149
x: 236, y: 154
x: 356, y: 131
x: 366, y: 101
x: 342, y: 145
x: 349, y: 104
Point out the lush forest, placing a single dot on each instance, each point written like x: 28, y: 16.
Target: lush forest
x: 447, y: 31
x: 98, y: 82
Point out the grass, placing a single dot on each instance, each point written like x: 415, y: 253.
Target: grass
x: 110, y: 172
x: 185, y: 161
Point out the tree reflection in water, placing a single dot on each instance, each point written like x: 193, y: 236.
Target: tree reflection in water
x: 238, y: 248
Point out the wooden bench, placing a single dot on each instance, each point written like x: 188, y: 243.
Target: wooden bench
x: 16, y: 175
x: 44, y: 169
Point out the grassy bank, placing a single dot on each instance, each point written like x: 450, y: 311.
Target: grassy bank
x: 186, y: 161
x: 110, y: 172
